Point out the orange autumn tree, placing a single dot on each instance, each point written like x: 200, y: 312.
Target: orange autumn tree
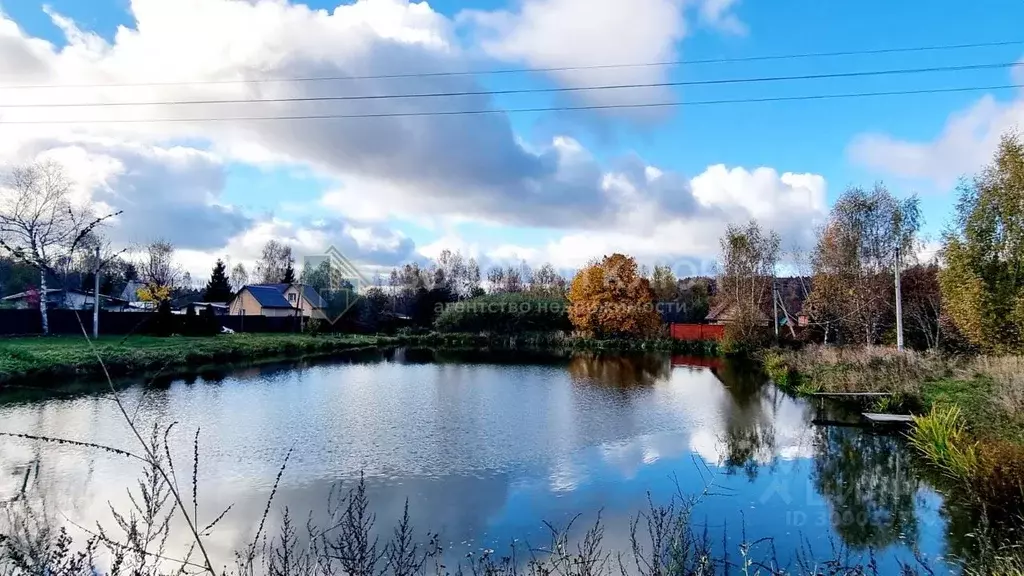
x: 611, y: 298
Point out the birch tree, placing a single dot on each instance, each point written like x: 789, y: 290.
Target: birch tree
x: 39, y: 225
x: 749, y: 258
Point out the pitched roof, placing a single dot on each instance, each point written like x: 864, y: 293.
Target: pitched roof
x: 313, y: 297
x: 58, y: 291
x: 716, y: 311
x: 268, y: 295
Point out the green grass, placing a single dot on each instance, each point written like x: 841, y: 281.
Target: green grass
x: 942, y: 437
x: 67, y: 356
x: 984, y: 416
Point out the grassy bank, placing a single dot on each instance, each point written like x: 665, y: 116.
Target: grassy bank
x: 59, y: 357
x: 988, y: 390
x: 55, y: 358
x: 969, y: 423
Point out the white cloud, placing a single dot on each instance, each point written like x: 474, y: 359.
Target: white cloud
x: 169, y: 177
x: 554, y: 34
x: 965, y: 144
x: 687, y: 239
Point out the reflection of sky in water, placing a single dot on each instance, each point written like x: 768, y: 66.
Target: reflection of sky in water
x: 485, y: 451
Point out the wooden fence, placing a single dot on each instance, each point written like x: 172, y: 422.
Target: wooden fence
x: 66, y: 322
x: 692, y: 332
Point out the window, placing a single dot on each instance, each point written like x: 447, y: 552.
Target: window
x: 291, y: 297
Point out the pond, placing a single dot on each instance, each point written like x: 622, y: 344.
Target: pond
x: 488, y: 446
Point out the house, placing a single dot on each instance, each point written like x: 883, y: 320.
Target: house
x: 219, y: 308
x: 791, y: 294
x: 73, y: 299
x: 277, y: 300
x: 131, y: 290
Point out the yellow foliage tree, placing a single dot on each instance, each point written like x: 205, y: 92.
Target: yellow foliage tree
x: 611, y: 298
x: 982, y: 280
x: 154, y: 293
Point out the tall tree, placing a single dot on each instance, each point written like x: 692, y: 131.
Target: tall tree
x: 218, y: 289
x: 868, y: 235
x: 239, y: 277
x: 610, y: 298
x: 39, y: 225
x: 317, y: 275
x: 664, y: 284
x: 922, y: 305
x: 745, y: 284
x: 547, y: 282
x: 289, y: 272
x: 509, y: 279
x: 160, y: 275
x: 983, y: 278
x: 274, y: 262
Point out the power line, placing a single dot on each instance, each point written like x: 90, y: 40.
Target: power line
x: 758, y: 58
x: 523, y: 110
x: 860, y: 74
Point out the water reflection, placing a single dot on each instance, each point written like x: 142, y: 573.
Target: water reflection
x: 619, y: 371
x: 869, y: 485
x: 486, y: 446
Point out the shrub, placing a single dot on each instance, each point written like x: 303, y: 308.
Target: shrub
x: 777, y: 369
x: 1000, y: 474
x: 314, y: 326
x: 505, y: 314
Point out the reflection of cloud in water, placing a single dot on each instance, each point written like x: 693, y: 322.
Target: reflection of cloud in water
x: 484, y: 451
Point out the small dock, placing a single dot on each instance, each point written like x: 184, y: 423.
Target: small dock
x: 851, y: 394
x: 887, y: 418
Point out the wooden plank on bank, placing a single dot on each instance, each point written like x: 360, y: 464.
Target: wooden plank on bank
x: 888, y: 418
x: 850, y: 394
x: 838, y: 423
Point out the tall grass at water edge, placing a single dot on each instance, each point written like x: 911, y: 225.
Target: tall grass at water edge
x: 942, y: 438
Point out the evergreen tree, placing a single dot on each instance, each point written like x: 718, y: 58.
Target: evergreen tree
x: 218, y: 289
x: 289, y: 273
x: 107, y: 285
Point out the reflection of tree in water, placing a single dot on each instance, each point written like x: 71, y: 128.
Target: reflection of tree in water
x: 620, y: 371
x: 871, y: 493
x: 749, y: 410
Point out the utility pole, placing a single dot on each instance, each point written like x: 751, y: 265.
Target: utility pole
x: 96, y: 296
x: 899, y: 305
x: 775, y: 308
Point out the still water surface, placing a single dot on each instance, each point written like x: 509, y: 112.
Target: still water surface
x: 486, y: 447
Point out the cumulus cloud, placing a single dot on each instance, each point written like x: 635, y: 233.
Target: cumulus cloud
x: 966, y: 142
x: 788, y: 203
x: 169, y: 176
x: 471, y: 164
x: 165, y: 192
x: 589, y: 35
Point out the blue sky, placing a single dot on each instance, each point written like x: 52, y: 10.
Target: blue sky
x: 401, y: 194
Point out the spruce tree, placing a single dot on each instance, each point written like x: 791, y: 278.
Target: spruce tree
x: 218, y: 289
x: 289, y: 274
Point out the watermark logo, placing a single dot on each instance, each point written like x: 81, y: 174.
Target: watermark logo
x: 338, y: 282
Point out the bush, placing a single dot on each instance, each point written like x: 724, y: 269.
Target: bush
x: 505, y: 314
x: 1000, y: 474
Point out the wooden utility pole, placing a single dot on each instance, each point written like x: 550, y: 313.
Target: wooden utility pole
x: 899, y: 305
x: 96, y: 296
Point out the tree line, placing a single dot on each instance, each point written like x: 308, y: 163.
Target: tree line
x: 971, y: 297
x: 842, y: 291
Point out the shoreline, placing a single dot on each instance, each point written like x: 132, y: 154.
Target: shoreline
x: 71, y: 358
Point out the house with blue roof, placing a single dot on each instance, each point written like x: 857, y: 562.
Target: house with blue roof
x: 277, y: 300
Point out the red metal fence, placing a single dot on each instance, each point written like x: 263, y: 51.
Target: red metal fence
x: 697, y: 331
